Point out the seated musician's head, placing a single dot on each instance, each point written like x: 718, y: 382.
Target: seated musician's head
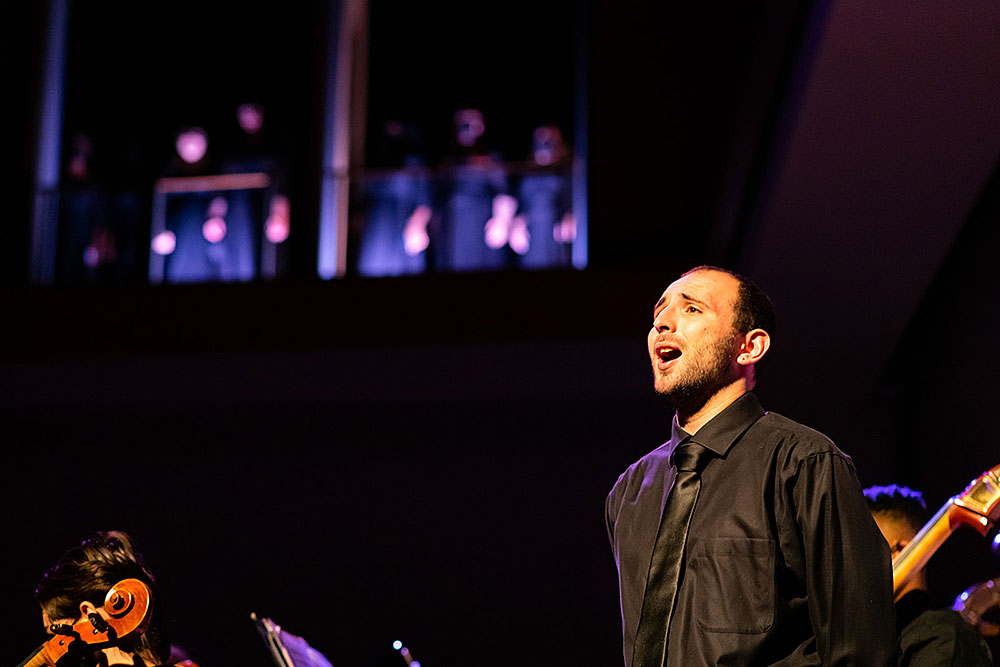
x: 900, y: 513
x: 77, y: 584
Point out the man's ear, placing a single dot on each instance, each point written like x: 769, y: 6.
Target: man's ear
x: 87, y: 608
x: 755, y: 345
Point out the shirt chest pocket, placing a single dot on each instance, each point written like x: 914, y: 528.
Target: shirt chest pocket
x: 732, y: 580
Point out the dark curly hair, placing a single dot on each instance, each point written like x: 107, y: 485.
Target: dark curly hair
x: 900, y: 503
x: 86, y: 573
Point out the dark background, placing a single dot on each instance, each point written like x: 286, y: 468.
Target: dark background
x: 426, y: 458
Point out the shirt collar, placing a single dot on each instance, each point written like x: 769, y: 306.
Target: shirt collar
x: 724, y: 429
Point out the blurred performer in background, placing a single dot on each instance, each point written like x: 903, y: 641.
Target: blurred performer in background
x: 86, y: 241
x: 254, y: 223
x: 77, y: 584
x: 397, y: 205
x: 926, y: 636
x: 544, y: 229
x: 214, y: 242
x: 478, y: 209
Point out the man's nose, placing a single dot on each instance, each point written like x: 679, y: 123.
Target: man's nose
x: 665, y: 320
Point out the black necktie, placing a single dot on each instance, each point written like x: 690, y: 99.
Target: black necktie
x: 665, y: 566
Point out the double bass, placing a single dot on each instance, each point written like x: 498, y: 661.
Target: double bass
x: 978, y: 507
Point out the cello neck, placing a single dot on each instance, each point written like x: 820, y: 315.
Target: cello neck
x: 36, y: 659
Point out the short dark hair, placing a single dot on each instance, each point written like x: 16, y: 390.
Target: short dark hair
x: 900, y: 503
x: 753, y: 308
x: 86, y: 573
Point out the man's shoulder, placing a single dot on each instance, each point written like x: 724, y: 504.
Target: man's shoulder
x: 650, y: 464
x: 652, y: 460
x: 793, y: 438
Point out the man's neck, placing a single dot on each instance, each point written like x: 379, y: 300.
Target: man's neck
x: 692, y: 420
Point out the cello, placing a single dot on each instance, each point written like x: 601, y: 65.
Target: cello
x: 127, y: 604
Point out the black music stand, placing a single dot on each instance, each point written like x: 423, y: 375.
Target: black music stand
x: 288, y: 650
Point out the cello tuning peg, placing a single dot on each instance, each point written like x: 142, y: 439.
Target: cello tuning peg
x: 100, y: 625
x: 61, y: 629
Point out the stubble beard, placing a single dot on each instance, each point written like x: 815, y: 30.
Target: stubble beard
x: 705, y: 372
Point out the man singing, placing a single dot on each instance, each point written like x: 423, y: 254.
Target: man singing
x: 745, y: 539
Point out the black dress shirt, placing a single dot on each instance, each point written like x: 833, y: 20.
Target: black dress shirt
x: 784, y: 563
x: 937, y: 637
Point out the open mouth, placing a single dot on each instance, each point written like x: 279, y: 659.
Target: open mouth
x: 668, y: 354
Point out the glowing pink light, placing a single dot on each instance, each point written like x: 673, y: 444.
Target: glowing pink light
x: 250, y: 117
x: 214, y: 229
x: 164, y: 243
x: 278, y: 225
x: 192, y: 144
x: 276, y: 231
x: 415, y: 237
x: 497, y: 230
x: 520, y: 239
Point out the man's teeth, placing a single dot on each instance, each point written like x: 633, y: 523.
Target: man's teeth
x: 667, y: 354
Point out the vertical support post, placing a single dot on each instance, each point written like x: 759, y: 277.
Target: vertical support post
x: 580, y: 132
x: 45, y: 214
x: 343, y: 99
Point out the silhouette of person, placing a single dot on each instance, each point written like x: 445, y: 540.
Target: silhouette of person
x: 397, y: 204
x: 213, y: 236
x: 478, y: 209
x: 544, y: 229
x: 86, y: 245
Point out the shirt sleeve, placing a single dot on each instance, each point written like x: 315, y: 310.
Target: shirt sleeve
x: 847, y: 565
x: 608, y: 523
x: 611, y: 512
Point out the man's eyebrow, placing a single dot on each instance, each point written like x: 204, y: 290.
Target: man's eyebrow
x: 685, y: 297
x: 688, y: 297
